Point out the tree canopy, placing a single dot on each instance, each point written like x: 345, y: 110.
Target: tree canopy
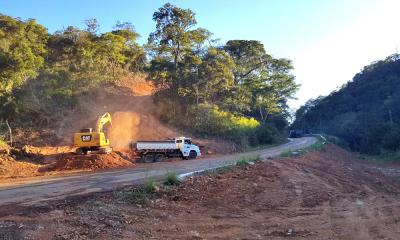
x: 22, y: 48
x: 238, y: 78
x: 235, y: 90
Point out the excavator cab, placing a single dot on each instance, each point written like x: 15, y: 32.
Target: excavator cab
x: 87, y: 141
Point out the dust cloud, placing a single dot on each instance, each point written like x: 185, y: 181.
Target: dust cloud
x: 125, y: 130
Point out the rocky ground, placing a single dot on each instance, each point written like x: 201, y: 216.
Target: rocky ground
x: 318, y: 195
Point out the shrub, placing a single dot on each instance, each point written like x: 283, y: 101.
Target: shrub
x: 172, y: 178
x: 220, y: 169
x: 337, y: 141
x: 244, y: 160
x: 287, y: 154
x: 318, y: 146
x: 150, y: 186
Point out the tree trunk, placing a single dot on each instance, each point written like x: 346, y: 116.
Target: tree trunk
x: 197, y: 95
x: 9, y: 129
x: 263, y: 118
x: 112, y: 65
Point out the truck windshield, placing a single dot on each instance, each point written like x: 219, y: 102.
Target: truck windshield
x: 188, y: 141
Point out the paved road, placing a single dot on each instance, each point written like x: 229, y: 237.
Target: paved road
x: 37, y: 191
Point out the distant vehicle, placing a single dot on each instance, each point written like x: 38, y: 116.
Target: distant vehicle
x: 157, y: 151
x: 296, y: 133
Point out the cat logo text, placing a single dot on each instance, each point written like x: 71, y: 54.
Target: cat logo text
x: 86, y: 138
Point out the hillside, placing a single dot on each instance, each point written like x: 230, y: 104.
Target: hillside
x: 364, y: 112
x: 48, y: 151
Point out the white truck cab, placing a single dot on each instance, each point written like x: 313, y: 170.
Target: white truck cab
x: 185, y: 145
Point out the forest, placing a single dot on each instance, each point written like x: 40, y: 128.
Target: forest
x: 364, y: 113
x: 235, y: 91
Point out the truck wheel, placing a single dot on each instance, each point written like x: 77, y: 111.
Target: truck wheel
x: 149, y: 158
x: 192, y: 155
x: 159, y: 157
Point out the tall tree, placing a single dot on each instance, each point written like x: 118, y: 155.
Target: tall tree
x: 173, y: 35
x: 172, y: 46
x: 262, y: 82
x: 134, y: 53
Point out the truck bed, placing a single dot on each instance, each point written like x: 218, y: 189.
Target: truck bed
x: 154, y: 145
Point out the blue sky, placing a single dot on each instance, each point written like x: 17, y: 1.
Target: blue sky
x: 329, y: 41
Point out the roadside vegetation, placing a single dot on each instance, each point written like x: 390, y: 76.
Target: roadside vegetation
x: 143, y: 194
x: 172, y: 178
x: 234, y: 90
x: 151, y: 185
x: 245, y: 160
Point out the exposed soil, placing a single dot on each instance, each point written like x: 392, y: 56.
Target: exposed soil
x: 10, y: 168
x: 70, y: 161
x: 129, y: 101
x: 319, y: 195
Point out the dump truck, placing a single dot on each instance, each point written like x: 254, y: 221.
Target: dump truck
x: 87, y: 140
x: 157, y: 151
x: 296, y: 133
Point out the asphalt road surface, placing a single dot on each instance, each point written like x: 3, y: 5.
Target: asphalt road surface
x: 37, y: 191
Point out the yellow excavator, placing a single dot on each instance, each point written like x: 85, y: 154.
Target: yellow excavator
x: 87, y: 141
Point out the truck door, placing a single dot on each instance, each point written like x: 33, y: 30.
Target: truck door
x: 179, y: 144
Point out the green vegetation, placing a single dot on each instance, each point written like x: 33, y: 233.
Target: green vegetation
x: 385, y: 156
x: 287, y: 154
x: 244, y: 160
x: 151, y: 185
x: 172, y: 178
x: 235, y: 91
x: 318, y: 146
x: 220, y: 169
x: 43, y: 75
x: 363, y: 113
x: 136, y: 196
x: 337, y: 141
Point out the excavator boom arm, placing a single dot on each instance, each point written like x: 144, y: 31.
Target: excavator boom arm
x: 103, y: 120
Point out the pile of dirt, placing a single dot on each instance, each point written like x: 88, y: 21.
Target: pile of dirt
x: 29, y: 150
x: 11, y: 168
x: 70, y: 162
x: 4, y: 148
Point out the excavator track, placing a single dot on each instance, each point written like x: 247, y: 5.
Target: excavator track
x: 105, y: 150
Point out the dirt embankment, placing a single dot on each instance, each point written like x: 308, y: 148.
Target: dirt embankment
x: 319, y: 195
x: 130, y: 102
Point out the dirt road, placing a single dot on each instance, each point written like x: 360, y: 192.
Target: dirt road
x: 38, y: 191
